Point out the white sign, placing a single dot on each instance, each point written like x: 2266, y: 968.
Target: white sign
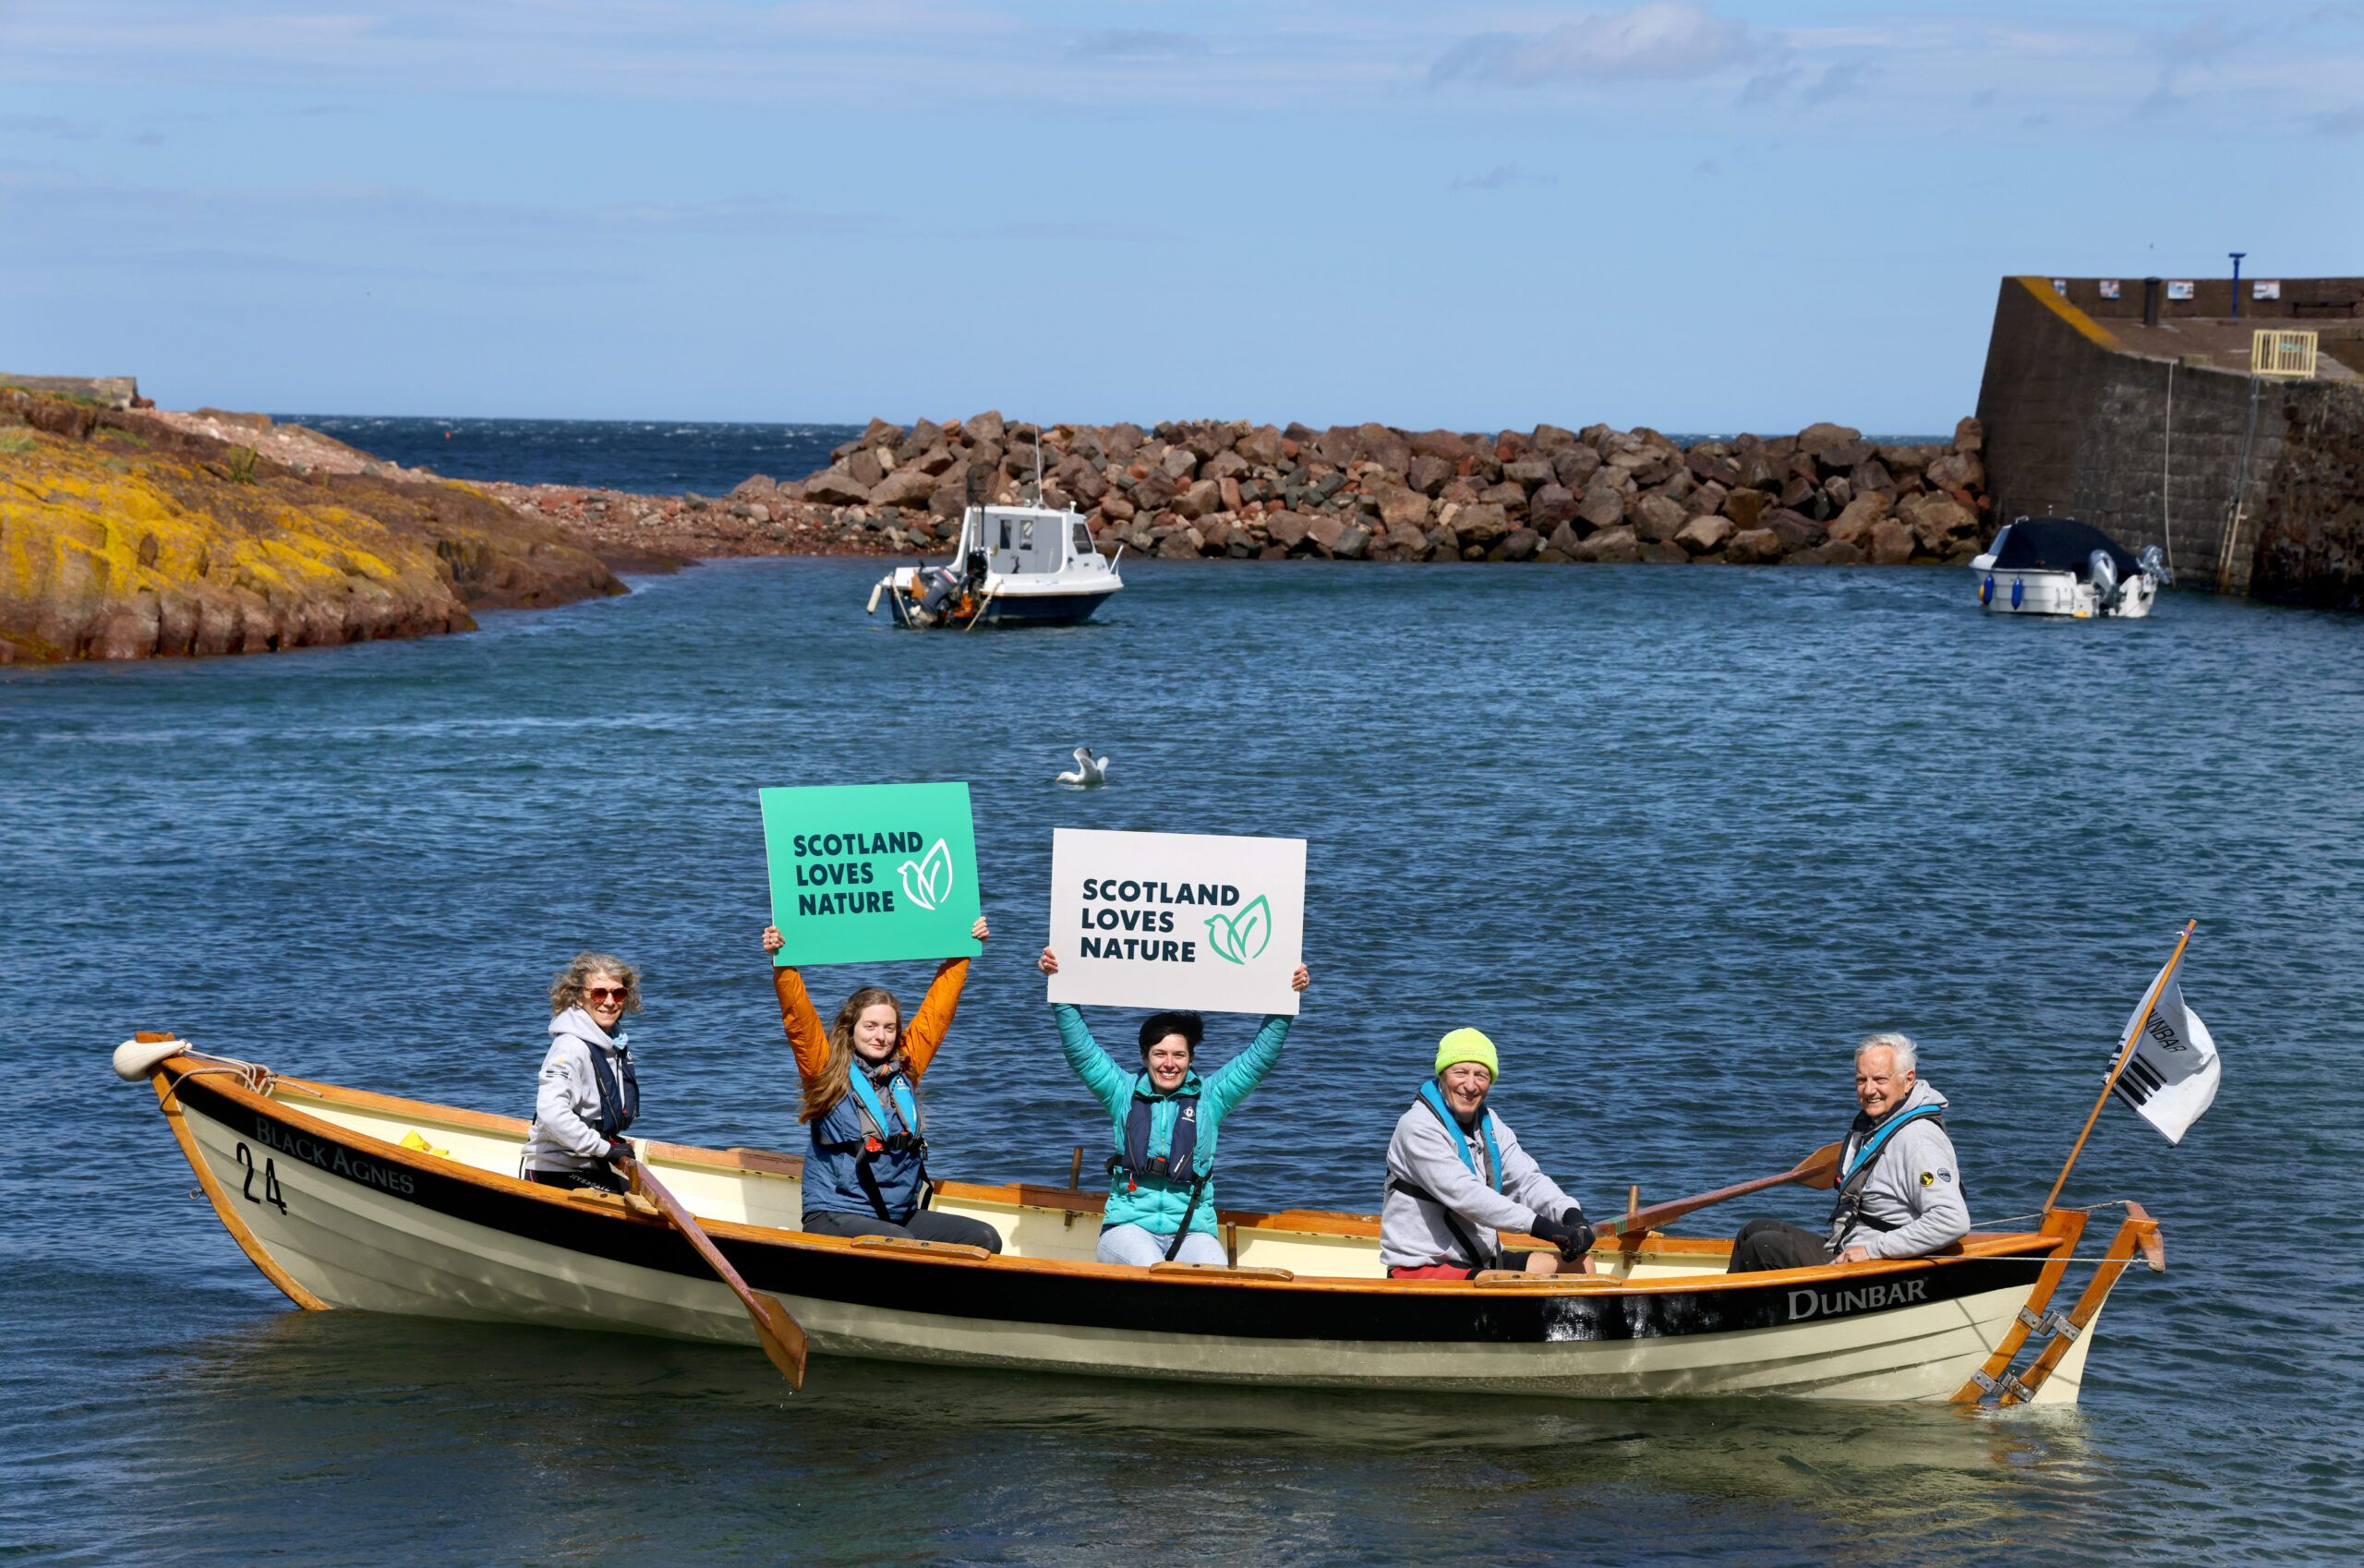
x: 2266, y: 288
x: 1177, y: 920
x: 2109, y: 288
x: 2175, y: 1071
x: 2180, y: 288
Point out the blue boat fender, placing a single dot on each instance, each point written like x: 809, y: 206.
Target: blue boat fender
x: 2019, y: 592
x: 1987, y: 590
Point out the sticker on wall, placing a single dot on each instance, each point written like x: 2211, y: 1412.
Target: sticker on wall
x: 2060, y: 287
x: 2179, y: 288
x: 2109, y: 288
x: 2266, y: 288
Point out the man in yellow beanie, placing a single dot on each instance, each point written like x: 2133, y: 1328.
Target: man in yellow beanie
x: 1456, y: 1178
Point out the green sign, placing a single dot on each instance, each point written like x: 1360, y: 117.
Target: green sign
x: 863, y: 873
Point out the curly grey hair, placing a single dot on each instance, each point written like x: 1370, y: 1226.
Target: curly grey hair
x: 566, y: 987
x: 1907, y: 1059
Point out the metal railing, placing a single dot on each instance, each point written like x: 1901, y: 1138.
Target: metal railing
x: 2275, y: 352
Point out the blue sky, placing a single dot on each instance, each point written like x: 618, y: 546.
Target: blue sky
x: 1698, y: 216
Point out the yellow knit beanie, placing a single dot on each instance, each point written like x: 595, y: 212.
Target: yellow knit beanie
x: 1468, y: 1045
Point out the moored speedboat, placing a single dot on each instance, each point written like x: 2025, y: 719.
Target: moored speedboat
x: 2059, y: 566
x: 1012, y: 563
x: 351, y: 1199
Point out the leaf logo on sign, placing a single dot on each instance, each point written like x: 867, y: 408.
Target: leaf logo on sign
x: 1242, y: 936
x: 927, y: 881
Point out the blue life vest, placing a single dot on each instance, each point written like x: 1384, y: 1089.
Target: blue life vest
x: 867, y: 1157
x: 1133, y: 1160
x: 1434, y: 1099
x: 617, y: 1108
x: 1847, y: 1209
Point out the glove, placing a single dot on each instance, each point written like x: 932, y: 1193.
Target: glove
x: 1571, y: 1239
x: 618, y: 1149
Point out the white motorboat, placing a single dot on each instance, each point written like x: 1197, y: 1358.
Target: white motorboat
x: 2059, y: 566
x: 1012, y: 563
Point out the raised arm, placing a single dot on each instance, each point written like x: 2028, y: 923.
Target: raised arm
x: 1109, y: 1083
x: 934, y: 1021
x: 807, y: 1036
x: 1240, y: 1074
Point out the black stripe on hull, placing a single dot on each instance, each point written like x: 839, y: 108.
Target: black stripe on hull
x: 1138, y: 1304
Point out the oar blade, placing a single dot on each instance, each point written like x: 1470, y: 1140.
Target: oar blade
x: 1820, y: 1169
x: 782, y: 1337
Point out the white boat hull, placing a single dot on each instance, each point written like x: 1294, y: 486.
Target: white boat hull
x: 316, y: 1191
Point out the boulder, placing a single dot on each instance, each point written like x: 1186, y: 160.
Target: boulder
x: 1663, y: 553
x: 1796, y: 532
x: 1564, y: 541
x: 880, y: 433
x: 1116, y: 509
x: 1289, y: 529
x: 1936, y: 521
x: 1574, y: 466
x: 1401, y: 506
x: 1506, y: 494
x: 1708, y: 499
x: 1609, y: 545
x: 1819, y: 437
x: 1890, y: 542
x: 1853, y: 526
x: 907, y: 485
x: 1352, y: 544
x: 1408, y: 538
x: 985, y: 427
x: 1872, y: 475
x: 1530, y: 474
x: 934, y: 460
x: 1179, y: 462
x: 1959, y: 471
x: 1260, y: 447
x: 1830, y: 552
x: 1745, y: 506
x: 1181, y: 544
x: 1710, y: 465
x: 1428, y: 473
x: 1705, y: 536
x: 1970, y: 435
x: 1338, y: 445
x: 1154, y: 491
x: 1603, y: 505
x: 1326, y: 530
x: 1442, y: 444
x: 865, y: 469
x: 1548, y: 508
x: 1224, y: 464
x: 1657, y: 520
x: 1754, y: 546
x: 1520, y: 543
x: 1549, y: 439
x: 1482, y: 524
x: 834, y: 486
x: 1204, y: 497
x: 1377, y: 443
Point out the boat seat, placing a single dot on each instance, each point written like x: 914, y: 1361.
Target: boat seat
x: 913, y: 1244
x: 1220, y: 1271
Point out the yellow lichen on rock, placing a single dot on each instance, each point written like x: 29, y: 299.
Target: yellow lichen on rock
x: 162, y: 544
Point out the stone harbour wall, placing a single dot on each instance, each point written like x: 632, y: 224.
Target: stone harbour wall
x: 1240, y: 490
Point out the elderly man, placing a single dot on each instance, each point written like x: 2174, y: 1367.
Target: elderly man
x: 1899, y: 1188
x: 1456, y: 1177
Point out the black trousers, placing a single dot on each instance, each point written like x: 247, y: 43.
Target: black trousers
x: 600, y: 1179
x: 1776, y: 1243
x: 924, y: 1224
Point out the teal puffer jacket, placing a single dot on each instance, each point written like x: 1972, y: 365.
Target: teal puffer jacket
x: 1156, y: 1204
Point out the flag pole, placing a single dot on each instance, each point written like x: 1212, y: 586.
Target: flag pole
x: 2124, y: 1055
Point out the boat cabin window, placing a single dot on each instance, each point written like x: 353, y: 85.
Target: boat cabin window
x: 1024, y: 544
x: 1082, y: 539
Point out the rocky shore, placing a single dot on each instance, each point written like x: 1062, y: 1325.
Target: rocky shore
x: 1825, y: 496
x: 125, y: 534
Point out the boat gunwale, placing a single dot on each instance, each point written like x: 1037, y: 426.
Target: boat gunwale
x: 2031, y: 1245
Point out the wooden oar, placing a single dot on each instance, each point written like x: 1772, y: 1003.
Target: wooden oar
x: 1818, y: 1169
x: 781, y: 1335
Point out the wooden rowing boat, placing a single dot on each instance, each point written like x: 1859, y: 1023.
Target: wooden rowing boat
x: 346, y: 1198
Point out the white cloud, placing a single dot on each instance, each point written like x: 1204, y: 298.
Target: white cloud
x: 1658, y: 40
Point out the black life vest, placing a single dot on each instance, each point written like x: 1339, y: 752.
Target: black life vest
x: 1180, y: 1160
x: 616, y: 1109
x: 1847, y: 1209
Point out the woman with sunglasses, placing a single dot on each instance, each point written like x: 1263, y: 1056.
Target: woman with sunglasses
x: 588, y: 1092
x: 866, y: 1174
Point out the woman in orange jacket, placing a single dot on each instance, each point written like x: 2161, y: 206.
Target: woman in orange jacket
x: 866, y: 1173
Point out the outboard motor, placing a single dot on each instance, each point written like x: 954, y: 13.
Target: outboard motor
x: 2154, y: 565
x: 2103, y: 573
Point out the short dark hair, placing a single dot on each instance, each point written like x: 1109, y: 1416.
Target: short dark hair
x: 1157, y: 1026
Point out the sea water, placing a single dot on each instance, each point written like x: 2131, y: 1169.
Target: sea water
x: 1673, y: 838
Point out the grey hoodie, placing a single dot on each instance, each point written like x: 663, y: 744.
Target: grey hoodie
x: 1413, y: 1234
x: 566, y: 1103
x: 1915, y: 1187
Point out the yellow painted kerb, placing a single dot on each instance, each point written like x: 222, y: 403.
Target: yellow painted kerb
x: 2092, y: 330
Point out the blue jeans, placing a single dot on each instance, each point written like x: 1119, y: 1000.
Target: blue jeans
x: 1131, y: 1243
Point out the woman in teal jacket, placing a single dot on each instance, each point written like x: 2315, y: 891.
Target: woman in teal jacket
x: 1161, y: 1198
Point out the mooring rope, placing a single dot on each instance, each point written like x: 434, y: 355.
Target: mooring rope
x: 256, y: 1078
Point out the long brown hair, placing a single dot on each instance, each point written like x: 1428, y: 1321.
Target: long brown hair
x: 834, y: 1081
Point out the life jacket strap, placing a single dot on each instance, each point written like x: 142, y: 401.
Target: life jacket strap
x: 1473, y: 1255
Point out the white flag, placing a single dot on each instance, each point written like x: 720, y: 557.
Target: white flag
x: 2172, y: 1076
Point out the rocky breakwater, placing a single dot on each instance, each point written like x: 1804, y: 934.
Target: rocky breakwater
x: 122, y: 536
x: 1824, y: 496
